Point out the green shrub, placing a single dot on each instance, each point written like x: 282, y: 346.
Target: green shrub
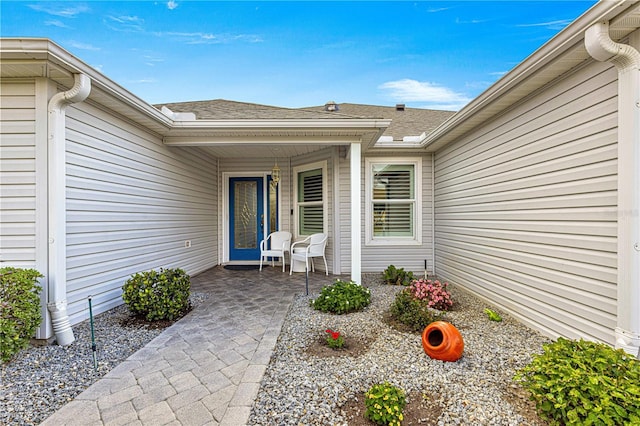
x: 19, y: 309
x: 157, y: 295
x: 413, y: 312
x: 342, y: 297
x: 397, y: 276
x: 384, y: 404
x: 581, y: 382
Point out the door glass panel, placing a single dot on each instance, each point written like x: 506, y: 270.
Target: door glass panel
x: 245, y: 214
x: 273, y: 207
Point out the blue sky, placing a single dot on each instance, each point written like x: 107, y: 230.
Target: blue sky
x: 294, y: 54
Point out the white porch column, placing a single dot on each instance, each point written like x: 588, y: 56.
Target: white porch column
x: 626, y: 59
x: 356, y: 216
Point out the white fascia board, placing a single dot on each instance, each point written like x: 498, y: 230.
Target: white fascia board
x: 342, y: 124
x: 42, y: 49
x: 564, y: 40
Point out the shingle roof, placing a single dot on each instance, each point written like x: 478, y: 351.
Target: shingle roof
x: 406, y: 122
x: 222, y: 109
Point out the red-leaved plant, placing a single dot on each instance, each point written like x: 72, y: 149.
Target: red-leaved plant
x: 434, y: 292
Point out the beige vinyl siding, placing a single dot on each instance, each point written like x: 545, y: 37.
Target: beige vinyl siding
x: 526, y: 207
x: 17, y: 174
x: 377, y: 258
x: 131, y: 205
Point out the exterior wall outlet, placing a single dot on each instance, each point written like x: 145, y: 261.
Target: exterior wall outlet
x: 187, y: 244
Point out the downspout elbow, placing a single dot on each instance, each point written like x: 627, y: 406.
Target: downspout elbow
x: 57, y: 275
x: 603, y: 49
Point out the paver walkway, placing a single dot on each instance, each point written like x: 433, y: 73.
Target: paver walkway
x: 206, y: 368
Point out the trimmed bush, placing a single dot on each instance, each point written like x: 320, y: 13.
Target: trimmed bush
x: 342, y: 297
x: 397, y: 276
x: 157, y: 295
x: 414, y: 313
x: 384, y: 404
x: 19, y: 309
x: 584, y: 383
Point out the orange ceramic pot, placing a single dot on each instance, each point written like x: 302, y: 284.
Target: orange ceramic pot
x: 442, y: 340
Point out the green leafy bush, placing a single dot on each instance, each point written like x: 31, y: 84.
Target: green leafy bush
x: 584, y: 383
x: 413, y: 312
x: 342, y: 297
x: 19, y: 309
x: 157, y: 295
x: 397, y: 276
x: 384, y: 404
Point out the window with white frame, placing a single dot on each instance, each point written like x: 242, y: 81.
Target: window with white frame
x: 310, y: 190
x: 393, y: 201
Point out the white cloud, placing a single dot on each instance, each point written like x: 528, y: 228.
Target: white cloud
x: 171, y: 4
x: 208, y: 38
x: 552, y: 25
x: 431, y: 95
x: 60, y: 10
x: 83, y: 46
x: 126, y: 23
x: 56, y: 23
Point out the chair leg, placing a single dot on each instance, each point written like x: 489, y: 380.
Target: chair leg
x: 283, y: 261
x: 313, y: 266
x: 261, y: 262
x: 326, y: 268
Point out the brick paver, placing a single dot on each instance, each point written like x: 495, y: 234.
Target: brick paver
x: 207, y: 367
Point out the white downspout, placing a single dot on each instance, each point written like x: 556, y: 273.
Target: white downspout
x: 627, y: 61
x: 57, y: 206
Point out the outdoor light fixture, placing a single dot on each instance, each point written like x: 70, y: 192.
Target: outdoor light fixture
x: 275, y: 174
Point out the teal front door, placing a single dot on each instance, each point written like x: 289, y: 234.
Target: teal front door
x: 246, y: 218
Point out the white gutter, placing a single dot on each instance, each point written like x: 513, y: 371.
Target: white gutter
x: 57, y: 270
x: 627, y: 61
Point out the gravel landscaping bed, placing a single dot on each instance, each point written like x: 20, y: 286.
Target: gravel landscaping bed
x: 304, y: 386
x: 41, y: 379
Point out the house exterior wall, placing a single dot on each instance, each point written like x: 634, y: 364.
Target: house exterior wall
x: 324, y: 155
x: 18, y: 173
x: 375, y: 258
x: 132, y: 203
x: 526, y: 207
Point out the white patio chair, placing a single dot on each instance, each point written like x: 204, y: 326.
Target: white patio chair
x: 315, y: 246
x: 280, y: 244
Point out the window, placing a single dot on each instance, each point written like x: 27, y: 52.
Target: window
x: 393, y: 210
x: 310, y: 199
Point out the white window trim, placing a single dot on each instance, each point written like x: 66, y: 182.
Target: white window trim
x: 325, y: 199
x: 370, y: 240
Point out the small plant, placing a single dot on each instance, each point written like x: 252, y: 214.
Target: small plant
x: 493, y: 315
x: 342, y: 297
x: 581, y: 382
x: 433, y: 292
x: 157, y: 295
x: 384, y: 404
x: 413, y: 312
x: 335, y: 339
x: 397, y: 276
x: 19, y: 309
